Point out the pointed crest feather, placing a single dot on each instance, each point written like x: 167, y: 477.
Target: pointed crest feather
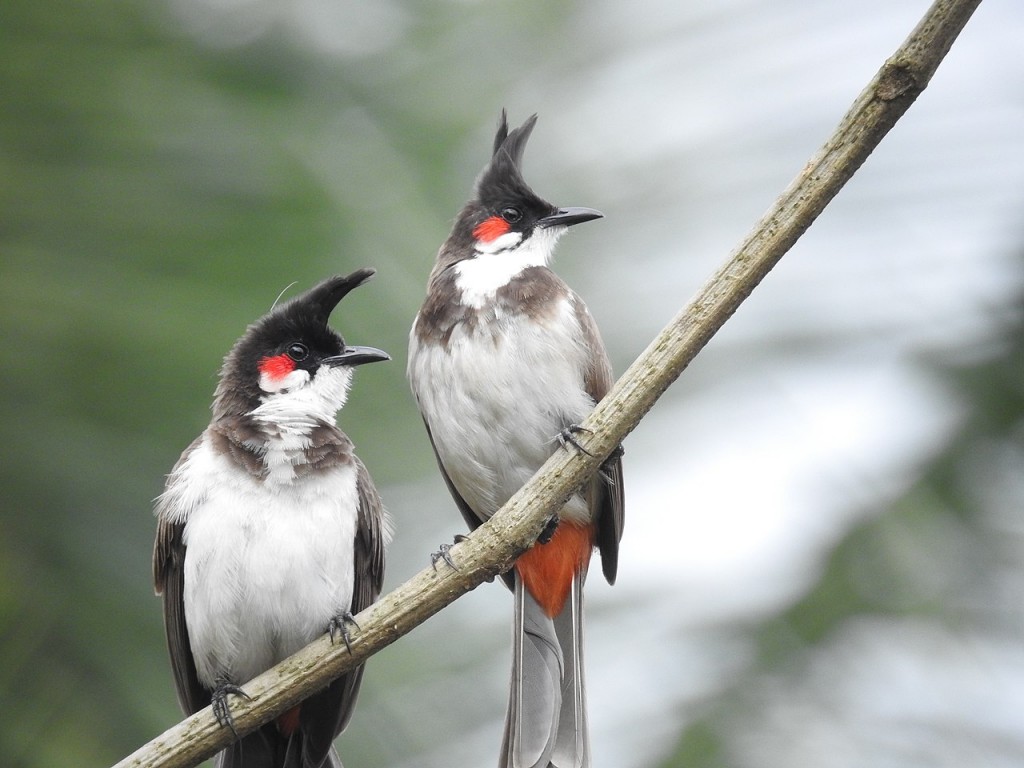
x: 509, y: 145
x: 325, y: 296
x: 507, y: 157
x: 502, y: 134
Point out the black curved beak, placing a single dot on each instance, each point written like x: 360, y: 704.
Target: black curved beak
x: 353, y: 356
x: 566, y: 217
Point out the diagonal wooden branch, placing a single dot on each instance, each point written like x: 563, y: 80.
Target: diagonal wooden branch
x: 494, y: 546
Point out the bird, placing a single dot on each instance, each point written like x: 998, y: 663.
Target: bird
x: 505, y: 361
x: 270, y: 531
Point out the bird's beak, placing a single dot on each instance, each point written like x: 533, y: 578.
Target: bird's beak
x: 353, y: 356
x: 566, y: 217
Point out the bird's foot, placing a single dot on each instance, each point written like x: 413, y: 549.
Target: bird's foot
x: 219, y: 703
x: 444, y: 553
x: 338, y: 627
x: 549, y: 529
x: 568, y: 437
x: 605, y: 469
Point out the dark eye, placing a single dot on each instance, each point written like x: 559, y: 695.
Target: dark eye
x: 511, y: 214
x: 298, y: 352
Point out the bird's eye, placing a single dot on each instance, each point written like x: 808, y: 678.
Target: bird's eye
x: 511, y: 214
x: 298, y: 352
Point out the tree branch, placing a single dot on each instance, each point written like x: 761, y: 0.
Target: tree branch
x: 494, y: 546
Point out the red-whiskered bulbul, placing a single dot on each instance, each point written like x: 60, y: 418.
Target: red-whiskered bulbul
x: 270, y: 530
x: 505, y: 361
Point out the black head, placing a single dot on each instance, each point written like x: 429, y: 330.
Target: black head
x: 505, y: 212
x: 288, y: 346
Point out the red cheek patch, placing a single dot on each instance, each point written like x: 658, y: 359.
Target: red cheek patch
x: 490, y: 229
x: 277, y: 367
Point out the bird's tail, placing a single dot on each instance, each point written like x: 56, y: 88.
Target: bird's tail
x: 546, y: 724
x: 267, y: 747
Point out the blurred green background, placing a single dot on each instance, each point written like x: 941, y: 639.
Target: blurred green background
x: 823, y: 562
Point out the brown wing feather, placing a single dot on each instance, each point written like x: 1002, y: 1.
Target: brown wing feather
x: 326, y: 714
x: 607, y: 498
x: 169, y: 582
x: 191, y: 695
x: 370, y: 541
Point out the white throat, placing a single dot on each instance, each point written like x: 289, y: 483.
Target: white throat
x: 299, y: 408
x: 496, y: 263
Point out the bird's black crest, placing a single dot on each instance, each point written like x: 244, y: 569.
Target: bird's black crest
x: 308, y: 313
x: 502, y: 134
x: 504, y: 172
x: 322, y: 298
x: 515, y: 142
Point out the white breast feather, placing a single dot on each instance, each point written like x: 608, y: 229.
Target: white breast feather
x: 266, y: 564
x: 495, y: 408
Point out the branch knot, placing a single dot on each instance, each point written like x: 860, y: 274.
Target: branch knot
x: 896, y: 80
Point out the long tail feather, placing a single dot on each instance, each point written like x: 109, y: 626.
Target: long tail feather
x: 546, y: 723
x: 572, y: 745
